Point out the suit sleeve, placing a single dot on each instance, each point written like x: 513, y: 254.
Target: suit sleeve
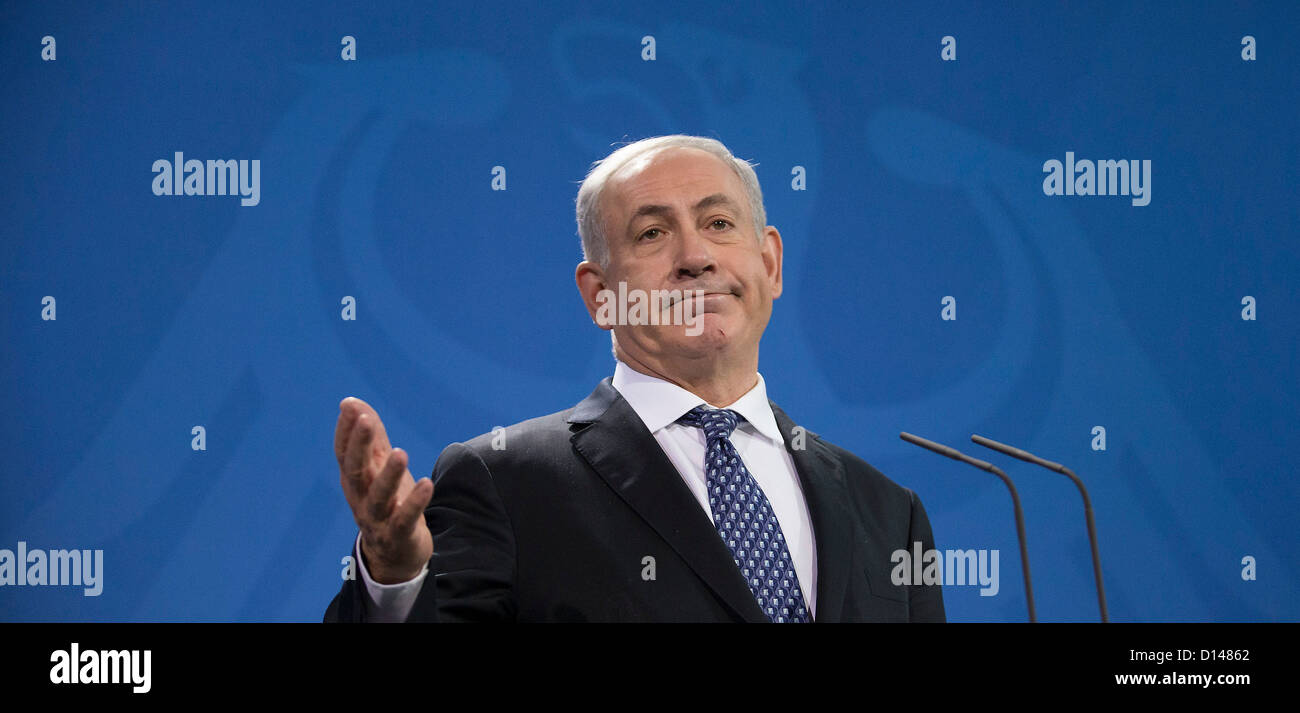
x: 472, y: 571
x: 925, y: 601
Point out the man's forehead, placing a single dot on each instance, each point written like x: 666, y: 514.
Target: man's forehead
x: 672, y: 170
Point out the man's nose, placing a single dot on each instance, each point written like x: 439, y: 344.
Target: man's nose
x: 694, y: 254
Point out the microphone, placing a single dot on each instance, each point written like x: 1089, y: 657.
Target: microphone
x: 1087, y: 506
x: 1015, y: 500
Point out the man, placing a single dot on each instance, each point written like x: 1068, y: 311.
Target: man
x: 676, y: 491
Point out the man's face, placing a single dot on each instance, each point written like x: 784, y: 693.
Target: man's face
x: 678, y: 219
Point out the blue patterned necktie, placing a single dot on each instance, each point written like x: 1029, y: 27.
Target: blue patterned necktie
x: 745, y: 519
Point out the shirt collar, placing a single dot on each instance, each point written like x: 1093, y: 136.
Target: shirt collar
x: 660, y: 403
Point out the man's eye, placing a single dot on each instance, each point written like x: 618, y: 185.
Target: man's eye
x: 725, y: 223
x: 651, y: 233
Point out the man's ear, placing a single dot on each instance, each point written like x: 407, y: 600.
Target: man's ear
x: 591, y: 283
x: 771, y: 251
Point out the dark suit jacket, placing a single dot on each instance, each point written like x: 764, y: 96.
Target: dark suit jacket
x: 557, y: 526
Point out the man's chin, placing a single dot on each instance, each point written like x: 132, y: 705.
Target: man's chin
x: 705, y: 334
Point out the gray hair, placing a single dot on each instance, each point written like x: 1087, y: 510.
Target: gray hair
x: 591, y: 228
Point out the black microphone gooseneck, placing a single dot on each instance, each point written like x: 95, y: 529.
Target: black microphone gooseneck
x: 1015, y: 500
x: 1087, y: 506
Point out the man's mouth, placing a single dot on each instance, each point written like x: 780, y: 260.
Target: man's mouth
x: 704, y: 297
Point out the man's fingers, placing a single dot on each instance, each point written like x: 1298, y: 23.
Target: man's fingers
x: 356, y: 458
x: 379, y: 445
x: 382, y: 490
x: 411, y: 508
x: 348, y: 412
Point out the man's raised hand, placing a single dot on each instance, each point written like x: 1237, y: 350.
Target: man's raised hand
x: 387, y: 503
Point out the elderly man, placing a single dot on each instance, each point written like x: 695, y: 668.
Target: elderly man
x: 676, y: 491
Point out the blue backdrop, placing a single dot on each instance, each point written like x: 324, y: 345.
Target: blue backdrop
x: 921, y: 163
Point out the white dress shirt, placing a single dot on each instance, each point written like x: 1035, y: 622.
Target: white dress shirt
x: 659, y: 404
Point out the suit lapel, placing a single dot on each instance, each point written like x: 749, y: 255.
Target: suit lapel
x: 837, y: 532
x: 616, y: 444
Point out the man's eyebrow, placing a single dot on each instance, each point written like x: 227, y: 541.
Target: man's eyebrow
x: 651, y: 210
x: 704, y: 203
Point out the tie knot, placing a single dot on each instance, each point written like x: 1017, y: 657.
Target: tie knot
x: 717, y: 423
